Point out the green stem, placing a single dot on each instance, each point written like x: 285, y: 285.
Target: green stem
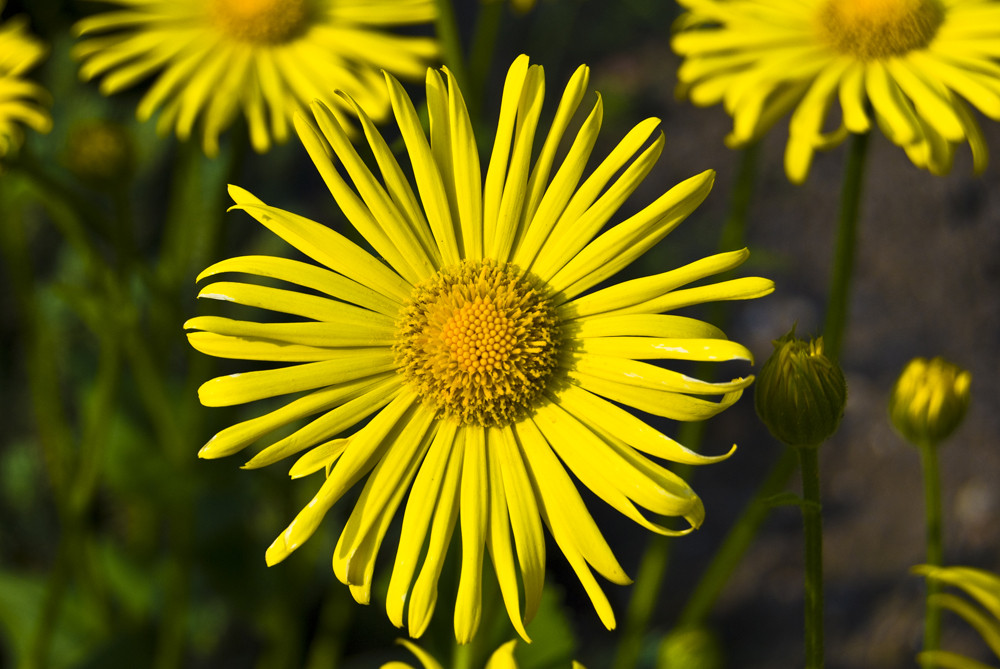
x: 736, y: 543
x: 935, y: 552
x: 843, y: 263
x: 461, y: 657
x: 812, y: 524
x: 451, y: 43
x: 733, y: 233
x: 484, y: 39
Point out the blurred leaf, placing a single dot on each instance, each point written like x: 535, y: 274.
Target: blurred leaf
x: 21, y: 599
x: 553, y: 643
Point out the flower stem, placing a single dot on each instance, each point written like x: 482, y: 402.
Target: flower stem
x: 736, y: 543
x: 935, y: 553
x: 812, y: 523
x: 843, y: 262
x: 451, y: 43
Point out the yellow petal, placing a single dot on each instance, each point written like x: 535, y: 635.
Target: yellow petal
x: 474, y: 515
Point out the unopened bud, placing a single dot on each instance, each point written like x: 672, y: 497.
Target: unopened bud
x: 100, y: 152
x: 929, y: 400
x: 800, y: 393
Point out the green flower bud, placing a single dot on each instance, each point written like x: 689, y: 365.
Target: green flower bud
x: 800, y: 393
x: 929, y: 400
x: 690, y: 648
x: 100, y: 152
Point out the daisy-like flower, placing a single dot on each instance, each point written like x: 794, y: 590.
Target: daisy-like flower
x: 266, y: 58
x: 486, y: 366
x: 20, y: 100
x: 910, y: 64
x: 502, y: 658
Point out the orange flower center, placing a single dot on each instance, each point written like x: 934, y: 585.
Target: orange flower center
x: 260, y: 21
x: 478, y: 341
x: 873, y: 29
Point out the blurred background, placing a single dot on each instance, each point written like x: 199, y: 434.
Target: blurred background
x: 135, y: 553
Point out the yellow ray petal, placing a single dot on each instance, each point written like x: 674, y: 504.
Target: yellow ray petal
x: 642, y: 325
x: 474, y: 515
x: 417, y: 518
x: 308, y: 333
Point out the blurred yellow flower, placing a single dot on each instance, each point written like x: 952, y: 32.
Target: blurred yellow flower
x: 909, y: 63
x: 473, y: 342
x: 983, y: 612
x: 266, y: 58
x: 21, y: 101
x: 929, y: 400
x: 502, y: 658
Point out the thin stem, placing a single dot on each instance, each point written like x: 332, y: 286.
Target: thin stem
x: 843, y: 261
x: 736, y: 543
x: 812, y: 525
x: 462, y: 656
x: 451, y: 43
x: 652, y: 569
x: 935, y: 552
x: 484, y: 39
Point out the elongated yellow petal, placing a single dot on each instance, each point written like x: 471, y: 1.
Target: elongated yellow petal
x: 644, y: 375
x: 308, y: 276
x: 525, y: 520
x: 636, y: 291
x: 496, y: 172
x: 548, y: 262
x: 425, y: 658
x: 250, y: 348
x: 744, y: 288
x: 424, y: 595
x: 572, y: 95
x: 612, y: 479
x: 364, y: 449
x: 237, y: 437
x: 357, y: 548
x: 466, y: 171
x: 568, y: 527
x: 654, y: 348
x: 603, y: 416
x: 498, y: 539
x: 426, y: 173
x: 420, y: 506
x: 375, y: 216
x: 322, y: 456
x: 324, y: 245
x: 323, y: 335
x: 508, y: 220
x: 622, y: 244
x: 250, y: 386
x: 474, y: 515
x: 560, y: 191
x: 643, y: 325
x: 296, y: 303
x: 331, y: 423
x: 676, y: 406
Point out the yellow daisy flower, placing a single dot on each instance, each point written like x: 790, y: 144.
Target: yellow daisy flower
x: 908, y: 63
x: 268, y: 58
x: 502, y: 658
x: 486, y: 366
x: 20, y: 100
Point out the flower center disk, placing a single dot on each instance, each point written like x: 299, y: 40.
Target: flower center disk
x: 479, y: 342
x: 873, y: 29
x: 260, y: 21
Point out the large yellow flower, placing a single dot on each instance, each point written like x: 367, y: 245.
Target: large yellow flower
x: 20, y: 100
x: 486, y: 366
x: 268, y: 58
x: 908, y: 63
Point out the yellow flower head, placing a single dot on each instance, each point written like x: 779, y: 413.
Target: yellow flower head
x: 20, y: 100
x: 910, y: 64
x: 265, y: 58
x: 929, y: 400
x: 477, y: 346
